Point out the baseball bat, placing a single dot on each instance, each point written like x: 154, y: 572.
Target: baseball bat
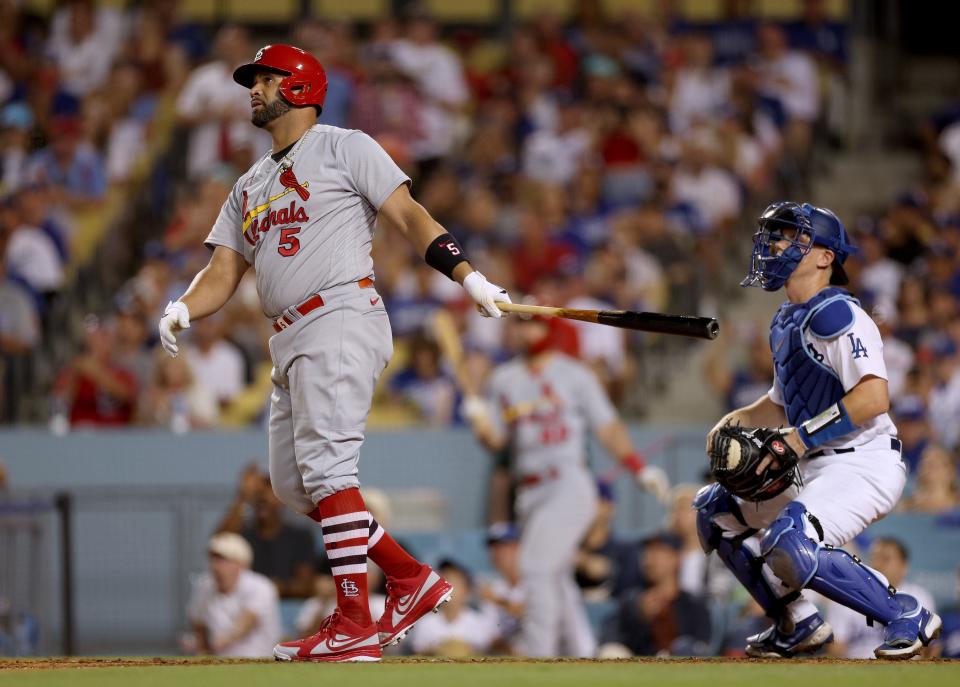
x: 451, y: 348
x: 680, y: 325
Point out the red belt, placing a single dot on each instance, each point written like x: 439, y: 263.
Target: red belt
x: 309, y: 305
x: 539, y: 478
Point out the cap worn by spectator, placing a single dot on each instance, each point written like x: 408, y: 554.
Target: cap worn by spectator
x: 910, y: 408
x: 665, y: 539
x: 231, y: 546
x: 16, y: 116
x: 502, y: 532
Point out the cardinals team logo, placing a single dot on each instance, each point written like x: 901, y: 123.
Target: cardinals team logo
x: 350, y: 588
x: 777, y: 447
x: 289, y: 180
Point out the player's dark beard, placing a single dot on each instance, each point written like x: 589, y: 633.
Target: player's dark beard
x: 268, y: 113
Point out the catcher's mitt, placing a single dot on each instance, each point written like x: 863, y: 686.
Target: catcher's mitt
x: 737, y: 451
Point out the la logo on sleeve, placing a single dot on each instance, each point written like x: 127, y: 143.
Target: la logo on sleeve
x: 857, y: 347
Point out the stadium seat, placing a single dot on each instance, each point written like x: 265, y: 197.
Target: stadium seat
x: 526, y: 9
x: 200, y: 10
x: 785, y: 10
x: 259, y: 12
x: 350, y: 10
x: 464, y: 11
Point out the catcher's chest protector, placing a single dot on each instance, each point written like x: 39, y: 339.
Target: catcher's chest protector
x: 808, y: 385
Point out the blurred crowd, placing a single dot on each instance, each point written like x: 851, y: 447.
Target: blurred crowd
x: 658, y: 595
x: 600, y: 161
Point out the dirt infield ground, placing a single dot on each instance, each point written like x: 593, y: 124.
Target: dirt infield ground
x: 479, y: 672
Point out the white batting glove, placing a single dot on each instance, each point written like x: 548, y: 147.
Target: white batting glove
x: 475, y: 409
x: 175, y: 318
x: 654, y: 480
x: 485, y: 294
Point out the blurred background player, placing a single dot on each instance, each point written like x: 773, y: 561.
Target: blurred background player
x: 541, y: 406
x: 830, y: 391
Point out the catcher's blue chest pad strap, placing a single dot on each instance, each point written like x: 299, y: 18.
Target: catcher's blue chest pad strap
x: 807, y: 384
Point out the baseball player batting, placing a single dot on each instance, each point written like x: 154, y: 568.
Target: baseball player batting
x: 540, y: 406
x: 303, y: 216
x: 786, y: 499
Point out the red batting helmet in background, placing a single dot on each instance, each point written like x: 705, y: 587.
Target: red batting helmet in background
x: 305, y: 82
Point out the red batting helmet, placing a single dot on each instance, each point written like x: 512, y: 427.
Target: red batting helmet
x: 305, y: 82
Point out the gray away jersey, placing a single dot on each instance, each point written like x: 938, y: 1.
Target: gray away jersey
x: 308, y: 227
x: 547, y: 416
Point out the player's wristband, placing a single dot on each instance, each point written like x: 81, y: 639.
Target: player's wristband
x: 634, y: 463
x: 444, y: 254
x: 831, y: 424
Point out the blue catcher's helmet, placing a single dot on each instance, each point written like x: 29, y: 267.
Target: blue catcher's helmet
x: 792, y: 222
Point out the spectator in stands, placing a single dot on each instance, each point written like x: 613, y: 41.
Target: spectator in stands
x: 173, y: 399
x: 423, y: 384
x: 502, y: 596
x: 879, y: 274
x: 542, y: 251
x: 606, y: 564
x: 16, y: 128
x: 660, y: 618
x: 897, y: 354
x: 282, y: 552
x: 215, y: 362
x: 234, y: 611
x: 332, y: 45
x: 19, y: 332
x: 84, y: 39
x: 93, y: 387
x: 913, y: 429
x: 133, y: 344
x: 937, y: 488
x: 824, y: 39
x: 218, y: 112
x: 457, y: 630
x: 71, y: 166
x: 19, y: 325
x: 789, y: 77
x: 701, y: 183
x: 554, y: 155
x: 387, y: 105
x: 853, y: 638
x: 944, y: 401
x: 33, y: 252
x: 748, y: 381
x: 438, y: 73
x: 698, y: 90
x: 119, y: 118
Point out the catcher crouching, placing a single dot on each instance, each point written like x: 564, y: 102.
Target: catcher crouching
x: 808, y: 466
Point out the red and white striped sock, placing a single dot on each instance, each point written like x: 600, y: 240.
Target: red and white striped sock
x: 389, y: 555
x: 345, y: 523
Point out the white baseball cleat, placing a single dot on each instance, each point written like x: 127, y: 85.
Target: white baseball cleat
x: 409, y: 600
x: 339, y: 639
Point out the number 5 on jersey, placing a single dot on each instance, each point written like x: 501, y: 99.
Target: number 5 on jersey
x: 289, y: 243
